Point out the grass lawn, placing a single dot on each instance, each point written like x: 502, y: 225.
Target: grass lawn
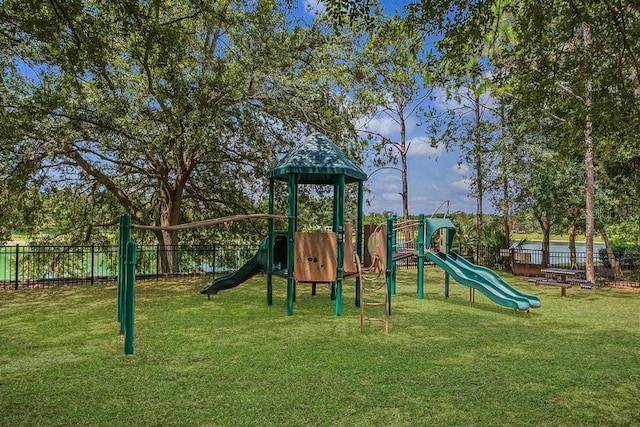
x: 233, y: 361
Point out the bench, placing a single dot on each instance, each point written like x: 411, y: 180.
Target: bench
x: 585, y: 284
x: 563, y: 286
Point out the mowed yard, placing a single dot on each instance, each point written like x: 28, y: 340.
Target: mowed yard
x: 234, y: 361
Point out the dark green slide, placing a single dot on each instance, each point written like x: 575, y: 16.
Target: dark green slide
x: 475, y: 277
x: 247, y: 271
x: 255, y: 265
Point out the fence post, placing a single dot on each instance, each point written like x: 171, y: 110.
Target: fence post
x: 158, y: 261
x: 130, y: 296
x: 17, y: 265
x: 93, y: 251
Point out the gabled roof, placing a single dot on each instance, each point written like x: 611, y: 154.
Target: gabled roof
x: 317, y: 160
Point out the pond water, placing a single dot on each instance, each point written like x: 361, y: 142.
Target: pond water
x: 561, y: 246
x: 559, y: 252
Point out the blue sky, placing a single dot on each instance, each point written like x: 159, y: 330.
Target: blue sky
x: 434, y: 175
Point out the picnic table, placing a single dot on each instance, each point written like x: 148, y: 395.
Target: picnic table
x: 564, y: 278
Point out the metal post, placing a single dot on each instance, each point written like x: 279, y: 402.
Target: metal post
x: 389, y: 262
x: 340, y: 223
x: 390, y: 254
x: 421, y: 256
x: 17, y: 265
x: 130, y: 295
x: 125, y: 237
x: 290, y: 237
x: 270, y: 244
x: 360, y: 226
x: 158, y: 260
x: 446, y: 275
x: 93, y: 259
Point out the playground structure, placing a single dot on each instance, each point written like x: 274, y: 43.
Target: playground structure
x: 317, y: 161
x: 419, y: 237
x: 330, y: 257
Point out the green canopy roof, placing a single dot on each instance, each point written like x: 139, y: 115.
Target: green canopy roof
x: 317, y: 160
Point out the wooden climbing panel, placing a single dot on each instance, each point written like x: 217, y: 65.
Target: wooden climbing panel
x: 315, y: 257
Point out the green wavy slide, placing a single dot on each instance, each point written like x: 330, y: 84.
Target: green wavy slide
x: 485, y: 280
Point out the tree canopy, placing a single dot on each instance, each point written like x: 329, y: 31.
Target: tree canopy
x: 171, y: 110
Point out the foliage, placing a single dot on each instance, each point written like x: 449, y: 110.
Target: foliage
x: 393, y: 81
x: 174, y: 122
x: 626, y: 255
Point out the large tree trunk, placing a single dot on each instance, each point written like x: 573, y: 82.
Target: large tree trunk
x: 572, y: 245
x: 403, y: 159
x: 545, y: 225
x: 479, y: 166
x: 589, y: 167
x: 616, y: 270
x: 168, y: 240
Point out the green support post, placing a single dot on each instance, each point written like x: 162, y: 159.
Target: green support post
x: 125, y: 237
x: 270, y: 244
x: 360, y: 222
x: 290, y: 237
x: 447, y: 248
x: 421, y: 256
x: 340, y: 223
x: 389, y: 262
x: 394, y: 247
x: 130, y: 296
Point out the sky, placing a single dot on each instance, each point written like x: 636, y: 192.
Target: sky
x: 436, y: 178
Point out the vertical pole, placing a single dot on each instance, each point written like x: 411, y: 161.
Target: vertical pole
x: 359, y: 244
x: 270, y: 244
x: 125, y: 237
x: 390, y: 255
x: 130, y: 295
x: 340, y: 223
x: 446, y: 275
x: 334, y: 228
x: 290, y: 237
x: 120, y: 269
x: 421, y: 256
x: 93, y: 259
x: 389, y: 262
x: 158, y: 260
x: 17, y: 264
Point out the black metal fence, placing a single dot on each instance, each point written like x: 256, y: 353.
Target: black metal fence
x: 40, y: 266
x: 536, y: 259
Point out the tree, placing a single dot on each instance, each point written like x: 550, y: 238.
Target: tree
x: 392, y: 81
x: 172, y: 110
x: 576, y: 50
x: 471, y: 129
x: 549, y: 189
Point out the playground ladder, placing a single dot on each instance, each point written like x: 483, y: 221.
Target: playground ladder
x: 373, y: 285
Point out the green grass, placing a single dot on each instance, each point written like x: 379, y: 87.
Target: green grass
x: 233, y: 360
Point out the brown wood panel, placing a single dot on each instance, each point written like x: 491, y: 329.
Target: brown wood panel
x: 315, y: 257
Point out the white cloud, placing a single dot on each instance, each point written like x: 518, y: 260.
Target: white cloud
x: 460, y: 185
x: 461, y: 169
x: 380, y: 124
x: 421, y: 146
